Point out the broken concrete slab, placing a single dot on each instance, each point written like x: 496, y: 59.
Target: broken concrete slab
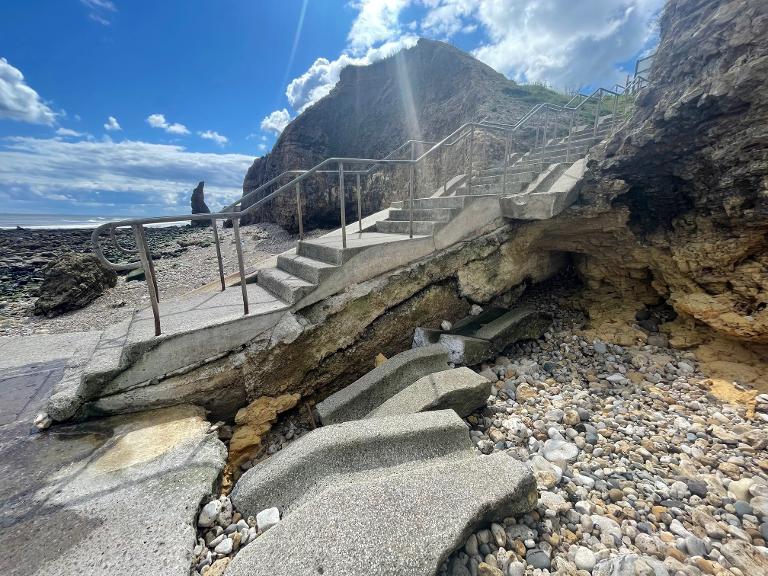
x: 381, y: 383
x: 403, y: 524
x: 460, y: 389
x: 475, y: 339
x: 347, y: 452
x: 98, y: 489
x: 515, y: 325
x: 465, y: 349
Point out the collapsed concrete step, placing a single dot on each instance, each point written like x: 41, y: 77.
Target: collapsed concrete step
x: 515, y: 325
x: 475, y: 339
x: 369, y: 392
x: 460, y: 389
x: 341, y: 454
x: 403, y: 524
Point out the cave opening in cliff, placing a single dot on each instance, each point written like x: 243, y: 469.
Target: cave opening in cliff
x: 654, y: 207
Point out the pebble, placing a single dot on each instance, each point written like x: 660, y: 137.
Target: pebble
x: 267, y: 518
x: 584, y: 558
x: 210, y: 513
x: 224, y: 547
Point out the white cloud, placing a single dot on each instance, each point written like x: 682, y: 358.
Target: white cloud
x: 159, y: 121
x: 377, y: 21
x: 20, y: 102
x: 276, y: 121
x: 219, y: 139
x: 564, y: 43
x: 118, y: 176
x: 112, y: 124
x: 68, y: 133
x: 445, y: 18
x: 100, y: 11
x: 323, y: 75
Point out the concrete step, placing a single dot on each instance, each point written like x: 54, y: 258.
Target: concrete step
x: 286, y: 286
x: 330, y: 254
x: 402, y: 524
x: 460, y: 389
x: 450, y: 186
x: 369, y: 392
x: 420, y: 227
x: 313, y: 271
x: 547, y: 177
x: 422, y: 214
x: 577, y: 148
x: 513, y: 326
x: 475, y: 339
x: 429, y: 203
x: 341, y: 454
x: 541, y: 205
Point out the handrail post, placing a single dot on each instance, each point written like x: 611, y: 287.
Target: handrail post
x: 615, y: 109
x: 442, y: 183
x: 507, y: 138
x: 145, y: 258
x: 597, y: 114
x: 359, y: 205
x: 343, y: 206
x: 411, y: 173
x: 240, y: 264
x: 218, y: 253
x: 570, y: 129
x: 543, y: 140
x: 469, y: 158
x: 298, y: 211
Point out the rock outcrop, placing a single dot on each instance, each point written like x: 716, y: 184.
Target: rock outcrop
x: 688, y: 175
x: 199, y: 206
x: 422, y: 93
x: 71, y: 282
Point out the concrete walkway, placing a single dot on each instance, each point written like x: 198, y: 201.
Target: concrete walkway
x: 117, y: 496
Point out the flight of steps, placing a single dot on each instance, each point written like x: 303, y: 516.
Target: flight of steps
x: 395, y: 491
x: 299, y: 274
x: 524, y: 172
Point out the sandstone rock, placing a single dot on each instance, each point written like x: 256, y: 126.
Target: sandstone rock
x: 693, y: 191
x: 72, y: 281
x: 252, y: 423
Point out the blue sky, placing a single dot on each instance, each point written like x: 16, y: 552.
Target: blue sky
x: 120, y: 107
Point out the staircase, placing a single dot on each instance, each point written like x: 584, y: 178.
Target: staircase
x: 137, y: 363
x: 537, y: 170
x: 396, y: 489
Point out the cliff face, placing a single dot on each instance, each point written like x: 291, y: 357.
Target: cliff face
x: 674, y: 208
x: 691, y: 168
x: 424, y: 92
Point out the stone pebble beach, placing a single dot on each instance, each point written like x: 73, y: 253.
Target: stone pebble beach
x: 641, y: 470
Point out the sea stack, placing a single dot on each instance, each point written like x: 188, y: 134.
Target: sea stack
x: 199, y: 206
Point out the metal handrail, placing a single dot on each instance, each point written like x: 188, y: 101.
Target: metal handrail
x: 538, y: 115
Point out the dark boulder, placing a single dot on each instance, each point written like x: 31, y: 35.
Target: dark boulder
x: 72, y: 281
x: 199, y: 206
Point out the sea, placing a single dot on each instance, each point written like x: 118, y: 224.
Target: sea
x: 61, y: 221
